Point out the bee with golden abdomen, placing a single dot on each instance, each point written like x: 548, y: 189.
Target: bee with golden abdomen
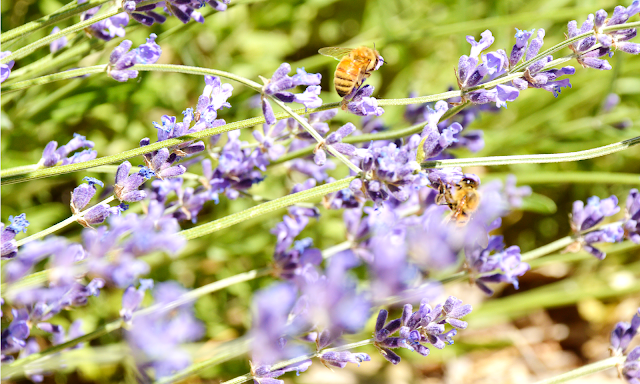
x: 355, y: 66
x: 462, y: 198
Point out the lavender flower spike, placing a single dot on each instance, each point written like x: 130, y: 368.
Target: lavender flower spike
x: 424, y: 326
x: 121, y: 59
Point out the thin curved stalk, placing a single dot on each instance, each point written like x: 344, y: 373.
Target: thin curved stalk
x: 584, y: 177
x: 69, y: 10
x: 534, y: 159
x: 319, y: 139
x: 585, y: 370
x: 261, y: 209
x: 62, y: 224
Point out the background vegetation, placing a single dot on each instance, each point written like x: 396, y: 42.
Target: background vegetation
x: 561, y: 317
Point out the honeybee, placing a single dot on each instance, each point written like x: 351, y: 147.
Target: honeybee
x: 463, y: 200
x: 356, y: 64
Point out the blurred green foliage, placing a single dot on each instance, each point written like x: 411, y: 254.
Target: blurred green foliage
x: 421, y: 42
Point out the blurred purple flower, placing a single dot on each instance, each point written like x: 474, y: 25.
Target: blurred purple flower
x: 271, y: 308
x: 264, y: 375
x: 340, y: 359
x: 155, y: 338
x: 132, y: 298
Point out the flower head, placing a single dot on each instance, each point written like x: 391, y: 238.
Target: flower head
x: 280, y: 82
x: 424, y: 326
x: 121, y: 59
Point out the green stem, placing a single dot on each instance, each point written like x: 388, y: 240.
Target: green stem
x: 247, y: 377
x: 585, y: 370
x: 60, y: 225
x: 547, y: 249
x: 534, y: 159
x: 67, y: 11
x: 261, y: 209
x: 569, y: 177
x: 54, y: 77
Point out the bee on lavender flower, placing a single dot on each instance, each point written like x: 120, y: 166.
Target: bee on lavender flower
x: 463, y: 199
x: 356, y: 65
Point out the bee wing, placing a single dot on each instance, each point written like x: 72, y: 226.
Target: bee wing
x: 335, y: 52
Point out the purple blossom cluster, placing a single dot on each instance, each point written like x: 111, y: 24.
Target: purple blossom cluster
x: 184, y: 10
x: 121, y: 58
x: 280, y: 82
x: 155, y: 338
x: 52, y: 155
x: 588, y: 53
x: 585, y: 217
x: 424, y: 326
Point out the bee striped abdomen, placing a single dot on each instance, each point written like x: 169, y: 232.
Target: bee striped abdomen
x: 346, y: 76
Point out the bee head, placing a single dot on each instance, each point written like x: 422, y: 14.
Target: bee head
x: 470, y: 181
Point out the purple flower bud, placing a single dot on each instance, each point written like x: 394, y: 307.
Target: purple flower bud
x: 132, y: 298
x: 485, y: 42
x: 623, y: 333
x: 522, y: 37
x: 535, y: 45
